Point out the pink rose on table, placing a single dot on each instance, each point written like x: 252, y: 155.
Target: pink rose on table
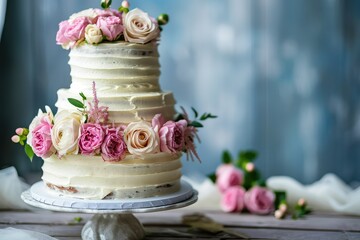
x: 140, y: 138
x: 259, y: 200
x: 227, y: 176
x: 111, y: 27
x: 70, y: 33
x: 233, y: 199
x: 172, y: 136
x: 113, y: 147
x: 91, y: 138
x: 41, y: 139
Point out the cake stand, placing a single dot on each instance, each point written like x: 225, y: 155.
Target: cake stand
x: 113, y: 218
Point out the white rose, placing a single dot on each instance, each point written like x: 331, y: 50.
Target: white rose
x: 139, y: 27
x: 141, y: 138
x: 93, y: 34
x: 90, y: 13
x: 66, y: 132
x: 47, y: 116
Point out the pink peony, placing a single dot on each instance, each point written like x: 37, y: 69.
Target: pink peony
x: 227, y: 176
x: 60, y: 35
x: 111, y: 27
x: 259, y: 200
x: 108, y: 12
x: 113, y: 147
x: 233, y: 199
x: 91, y: 138
x: 172, y: 136
x: 41, y: 139
x: 70, y: 33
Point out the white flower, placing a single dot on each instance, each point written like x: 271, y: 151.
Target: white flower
x: 66, y: 132
x: 141, y: 138
x: 90, y: 13
x: 140, y: 27
x: 93, y: 34
x: 47, y: 116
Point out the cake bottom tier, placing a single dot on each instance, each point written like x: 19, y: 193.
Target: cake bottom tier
x: 89, y: 177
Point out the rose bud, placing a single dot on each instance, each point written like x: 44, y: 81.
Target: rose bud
x: 19, y: 131
x: 15, y: 138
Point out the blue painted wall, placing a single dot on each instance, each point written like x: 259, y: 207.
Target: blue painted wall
x: 283, y: 76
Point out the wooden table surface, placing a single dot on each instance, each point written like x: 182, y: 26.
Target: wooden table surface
x: 168, y: 225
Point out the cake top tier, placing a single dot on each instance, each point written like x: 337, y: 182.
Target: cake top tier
x: 95, y: 26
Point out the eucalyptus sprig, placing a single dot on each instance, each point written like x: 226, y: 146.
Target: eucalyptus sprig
x: 81, y: 105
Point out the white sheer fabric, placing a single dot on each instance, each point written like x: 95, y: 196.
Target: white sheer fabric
x: 11, y: 188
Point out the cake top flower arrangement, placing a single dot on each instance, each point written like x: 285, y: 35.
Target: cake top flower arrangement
x: 94, y: 26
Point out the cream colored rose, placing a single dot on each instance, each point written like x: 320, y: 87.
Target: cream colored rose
x: 93, y: 34
x: 139, y: 27
x: 47, y: 116
x: 66, y: 132
x: 141, y: 138
x: 89, y: 13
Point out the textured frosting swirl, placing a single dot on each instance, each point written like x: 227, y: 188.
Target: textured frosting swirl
x: 126, y: 77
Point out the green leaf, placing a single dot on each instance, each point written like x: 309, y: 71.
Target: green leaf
x: 206, y: 116
x: 248, y: 155
x: 105, y: 3
x: 280, y: 197
x: 251, y: 179
x: 122, y: 9
x: 78, y: 219
x: 82, y: 96
x: 76, y: 102
x: 195, y: 112
x: 196, y: 124
x: 178, y: 117
x: 29, y: 151
x: 212, y: 177
x: 226, y: 157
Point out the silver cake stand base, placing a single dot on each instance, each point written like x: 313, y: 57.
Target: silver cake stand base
x: 113, y: 218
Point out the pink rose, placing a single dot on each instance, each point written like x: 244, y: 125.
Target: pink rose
x: 172, y: 136
x: 157, y: 122
x: 113, y: 147
x: 70, y: 33
x: 111, y: 27
x: 227, y: 176
x: 41, y: 139
x: 233, y: 199
x: 91, y: 138
x: 259, y: 200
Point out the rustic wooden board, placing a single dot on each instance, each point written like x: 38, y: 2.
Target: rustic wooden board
x: 168, y: 225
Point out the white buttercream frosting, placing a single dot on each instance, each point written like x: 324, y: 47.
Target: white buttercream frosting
x: 94, y: 178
